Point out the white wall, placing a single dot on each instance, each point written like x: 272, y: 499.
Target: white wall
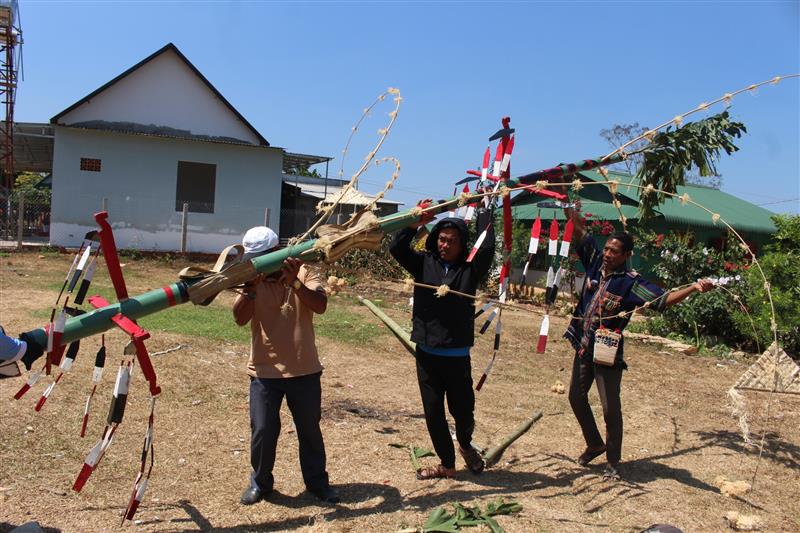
x: 163, y: 92
x: 139, y: 176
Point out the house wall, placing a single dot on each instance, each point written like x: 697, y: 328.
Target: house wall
x: 139, y: 176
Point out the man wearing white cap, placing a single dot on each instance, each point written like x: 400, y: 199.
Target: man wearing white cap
x: 283, y: 362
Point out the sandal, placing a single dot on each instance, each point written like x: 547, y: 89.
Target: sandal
x: 590, y: 455
x: 435, y: 472
x: 473, y: 460
x: 611, y: 473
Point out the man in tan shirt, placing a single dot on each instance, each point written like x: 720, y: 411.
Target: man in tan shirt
x: 283, y: 362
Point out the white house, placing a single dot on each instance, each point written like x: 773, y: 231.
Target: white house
x: 155, y: 137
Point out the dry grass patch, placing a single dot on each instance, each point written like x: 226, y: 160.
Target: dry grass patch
x: 679, y: 436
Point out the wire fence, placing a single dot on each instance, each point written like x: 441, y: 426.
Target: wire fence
x: 24, y: 216
x: 150, y: 223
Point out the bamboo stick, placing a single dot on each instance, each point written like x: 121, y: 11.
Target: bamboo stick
x: 398, y: 331
x: 493, y: 454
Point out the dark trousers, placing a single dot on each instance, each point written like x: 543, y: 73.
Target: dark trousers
x: 608, y: 379
x: 304, y: 398
x: 449, y: 377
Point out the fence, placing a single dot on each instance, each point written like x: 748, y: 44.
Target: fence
x: 24, y: 216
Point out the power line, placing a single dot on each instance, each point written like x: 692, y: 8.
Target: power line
x: 781, y: 201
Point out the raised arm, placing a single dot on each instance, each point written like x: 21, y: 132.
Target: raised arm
x: 400, y: 247
x: 701, y: 285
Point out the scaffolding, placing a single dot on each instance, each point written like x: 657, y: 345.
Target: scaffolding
x: 10, y: 39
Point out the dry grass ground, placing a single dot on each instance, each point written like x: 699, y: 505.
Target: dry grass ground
x: 679, y: 435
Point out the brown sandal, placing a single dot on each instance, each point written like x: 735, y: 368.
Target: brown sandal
x: 435, y: 472
x: 473, y: 460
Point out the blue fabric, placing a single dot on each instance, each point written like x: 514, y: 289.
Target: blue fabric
x: 10, y: 349
x: 462, y: 351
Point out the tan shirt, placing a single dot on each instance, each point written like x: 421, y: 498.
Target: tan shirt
x: 283, y: 346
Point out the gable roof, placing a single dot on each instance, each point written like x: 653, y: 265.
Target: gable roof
x: 169, y: 47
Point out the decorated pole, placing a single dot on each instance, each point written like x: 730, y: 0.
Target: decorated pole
x: 180, y: 292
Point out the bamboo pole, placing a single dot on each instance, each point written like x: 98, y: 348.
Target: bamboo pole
x: 493, y: 455
x: 399, y: 332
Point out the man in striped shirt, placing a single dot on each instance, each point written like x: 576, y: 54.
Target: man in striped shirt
x: 609, y: 295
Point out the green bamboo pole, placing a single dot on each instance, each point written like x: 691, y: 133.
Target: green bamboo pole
x: 151, y: 302
x: 493, y: 455
x: 399, y: 332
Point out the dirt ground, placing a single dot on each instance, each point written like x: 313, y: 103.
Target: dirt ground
x: 679, y: 434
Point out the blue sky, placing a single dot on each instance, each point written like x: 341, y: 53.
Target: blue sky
x: 302, y: 73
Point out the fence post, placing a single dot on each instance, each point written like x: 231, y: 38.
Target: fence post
x: 20, y: 219
x: 104, y: 205
x: 266, y: 217
x: 184, y: 221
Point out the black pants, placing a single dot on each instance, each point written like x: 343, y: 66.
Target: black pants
x: 450, y: 377
x: 608, y: 379
x: 304, y: 398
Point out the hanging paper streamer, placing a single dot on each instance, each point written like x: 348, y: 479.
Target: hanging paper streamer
x: 552, y: 293
x: 142, y: 478
x: 65, y: 367
x: 97, y: 375
x: 533, y: 247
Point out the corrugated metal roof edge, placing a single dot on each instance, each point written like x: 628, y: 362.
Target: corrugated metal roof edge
x: 670, y: 216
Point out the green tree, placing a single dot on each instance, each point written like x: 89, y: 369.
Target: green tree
x: 25, y: 184
x: 781, y: 265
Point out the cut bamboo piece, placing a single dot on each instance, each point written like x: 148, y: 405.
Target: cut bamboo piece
x: 401, y: 334
x: 493, y: 454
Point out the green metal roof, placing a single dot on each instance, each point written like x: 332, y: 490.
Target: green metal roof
x: 740, y: 214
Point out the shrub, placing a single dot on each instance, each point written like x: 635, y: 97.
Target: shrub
x: 706, y: 318
x: 781, y: 265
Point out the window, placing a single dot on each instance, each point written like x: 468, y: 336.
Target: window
x: 195, y: 186
x: 90, y: 165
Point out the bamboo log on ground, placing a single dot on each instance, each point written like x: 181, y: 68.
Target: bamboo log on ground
x: 401, y: 334
x: 493, y: 454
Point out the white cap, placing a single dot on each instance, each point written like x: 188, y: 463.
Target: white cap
x: 259, y: 240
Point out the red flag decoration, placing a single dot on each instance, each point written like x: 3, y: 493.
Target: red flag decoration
x: 533, y: 246
x: 564, y: 253
x: 142, y: 478
x: 87, y: 279
x: 56, y: 348
x: 461, y: 211
x: 506, y: 162
x: 498, y: 160
x: 552, y: 252
x: 115, y: 413
x: 543, y: 332
x: 97, y: 375
x: 65, y: 367
x: 94, y: 457
x: 32, y: 379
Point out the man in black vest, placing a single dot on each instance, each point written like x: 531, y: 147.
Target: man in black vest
x: 443, y: 328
